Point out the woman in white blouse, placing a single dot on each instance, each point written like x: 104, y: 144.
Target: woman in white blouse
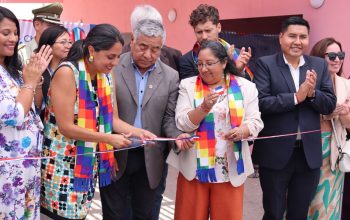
x: 221, y: 108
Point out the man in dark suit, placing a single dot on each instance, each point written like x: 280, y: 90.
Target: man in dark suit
x: 147, y: 93
x: 205, y: 22
x: 294, y: 89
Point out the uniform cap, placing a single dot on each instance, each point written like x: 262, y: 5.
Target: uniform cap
x: 50, y: 13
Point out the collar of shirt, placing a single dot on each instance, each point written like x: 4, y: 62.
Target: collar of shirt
x: 141, y: 86
x: 151, y: 68
x: 301, y: 62
x: 295, y: 72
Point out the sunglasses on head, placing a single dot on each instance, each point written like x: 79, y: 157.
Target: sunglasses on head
x: 332, y: 56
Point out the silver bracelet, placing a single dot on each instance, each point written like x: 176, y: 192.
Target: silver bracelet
x: 25, y: 86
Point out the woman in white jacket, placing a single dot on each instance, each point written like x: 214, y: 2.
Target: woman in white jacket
x: 221, y: 108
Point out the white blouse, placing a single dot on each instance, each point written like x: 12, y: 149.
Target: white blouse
x: 222, y: 126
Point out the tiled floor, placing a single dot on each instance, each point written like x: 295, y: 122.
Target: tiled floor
x: 252, y: 200
x: 166, y: 212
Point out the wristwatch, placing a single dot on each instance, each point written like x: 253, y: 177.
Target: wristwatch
x: 312, y: 97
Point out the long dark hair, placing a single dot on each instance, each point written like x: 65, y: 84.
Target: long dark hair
x: 12, y: 63
x: 50, y: 35
x: 100, y: 37
x: 319, y: 49
x: 220, y: 52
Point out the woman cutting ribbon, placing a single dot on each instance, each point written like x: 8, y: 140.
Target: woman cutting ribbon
x: 82, y: 114
x: 212, y: 173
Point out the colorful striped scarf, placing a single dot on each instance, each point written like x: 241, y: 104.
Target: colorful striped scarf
x: 205, y: 146
x: 87, y: 118
x: 226, y: 45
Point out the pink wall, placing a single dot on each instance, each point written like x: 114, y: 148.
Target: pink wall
x: 329, y: 20
x: 30, y: 1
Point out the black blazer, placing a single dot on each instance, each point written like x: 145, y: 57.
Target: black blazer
x: 170, y: 56
x: 187, y: 66
x: 276, y: 88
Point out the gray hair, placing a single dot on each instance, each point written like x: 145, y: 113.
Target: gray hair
x: 142, y: 12
x: 149, y: 28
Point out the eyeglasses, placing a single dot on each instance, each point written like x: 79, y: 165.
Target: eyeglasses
x: 207, y: 65
x: 332, y: 56
x: 64, y: 42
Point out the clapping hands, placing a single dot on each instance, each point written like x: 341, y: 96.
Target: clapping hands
x: 311, y: 78
x: 243, y: 57
x: 36, y: 65
x: 307, y: 88
x: 342, y: 109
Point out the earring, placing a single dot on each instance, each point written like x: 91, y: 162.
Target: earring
x: 91, y: 59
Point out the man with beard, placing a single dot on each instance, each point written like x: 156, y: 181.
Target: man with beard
x: 205, y: 22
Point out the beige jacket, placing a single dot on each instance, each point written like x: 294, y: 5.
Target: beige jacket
x: 185, y: 161
x: 342, y: 91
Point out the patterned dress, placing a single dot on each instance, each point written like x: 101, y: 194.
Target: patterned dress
x: 326, y: 203
x: 58, y: 199
x: 20, y: 136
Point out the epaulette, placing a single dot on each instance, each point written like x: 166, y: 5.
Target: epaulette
x: 21, y: 46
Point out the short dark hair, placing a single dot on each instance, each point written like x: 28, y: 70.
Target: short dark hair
x: 204, y: 13
x: 50, y: 35
x: 49, y: 24
x: 100, y: 37
x: 294, y: 20
x: 319, y: 49
x: 12, y: 63
x: 220, y: 52
x: 37, y: 19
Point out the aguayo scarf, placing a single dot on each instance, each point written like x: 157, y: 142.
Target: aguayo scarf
x: 87, y: 118
x: 205, y: 146
x: 226, y: 45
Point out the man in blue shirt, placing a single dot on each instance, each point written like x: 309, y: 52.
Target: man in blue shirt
x: 147, y: 93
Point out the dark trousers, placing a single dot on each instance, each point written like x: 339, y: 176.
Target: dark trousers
x: 159, y: 194
x: 133, y: 185
x: 345, y: 214
x: 290, y: 189
x: 157, y: 200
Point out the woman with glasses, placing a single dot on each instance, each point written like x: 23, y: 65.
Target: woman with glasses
x: 327, y: 201
x: 57, y: 37
x: 221, y: 108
